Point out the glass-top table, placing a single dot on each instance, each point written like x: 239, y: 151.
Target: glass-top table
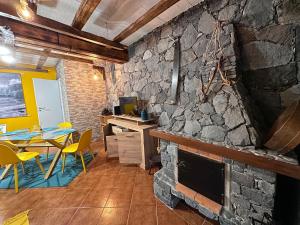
x: 25, y: 138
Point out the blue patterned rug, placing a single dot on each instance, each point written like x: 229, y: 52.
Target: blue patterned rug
x: 34, y: 178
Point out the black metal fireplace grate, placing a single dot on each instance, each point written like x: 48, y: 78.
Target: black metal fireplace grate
x: 203, y: 175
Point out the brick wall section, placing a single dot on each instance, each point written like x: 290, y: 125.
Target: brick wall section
x: 86, y: 97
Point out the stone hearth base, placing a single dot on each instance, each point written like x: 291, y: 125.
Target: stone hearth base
x: 250, y: 193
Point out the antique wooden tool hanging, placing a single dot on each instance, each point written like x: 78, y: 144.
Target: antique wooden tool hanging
x: 175, y: 75
x: 113, y: 73
x: 285, y: 133
x: 214, y: 43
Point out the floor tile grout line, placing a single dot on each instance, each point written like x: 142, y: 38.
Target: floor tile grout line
x: 131, y: 201
x: 69, y: 223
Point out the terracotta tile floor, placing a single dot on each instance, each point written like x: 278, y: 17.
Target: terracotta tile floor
x: 109, y: 194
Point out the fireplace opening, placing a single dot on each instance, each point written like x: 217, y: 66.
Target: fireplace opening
x: 203, y: 175
x: 287, y: 201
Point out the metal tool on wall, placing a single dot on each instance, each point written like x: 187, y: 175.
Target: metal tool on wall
x: 175, y: 75
x: 113, y: 73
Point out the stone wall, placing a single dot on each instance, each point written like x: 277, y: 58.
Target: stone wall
x: 85, y: 97
x: 262, y: 48
x: 269, y: 36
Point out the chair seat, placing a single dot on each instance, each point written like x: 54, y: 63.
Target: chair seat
x: 71, y: 148
x: 24, y: 156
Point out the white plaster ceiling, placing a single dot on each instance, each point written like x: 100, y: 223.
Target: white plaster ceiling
x: 29, y: 59
x: 113, y: 16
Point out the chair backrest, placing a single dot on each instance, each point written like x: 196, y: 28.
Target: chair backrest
x: 85, y: 140
x: 7, y: 155
x: 10, y: 144
x: 35, y: 128
x: 65, y: 125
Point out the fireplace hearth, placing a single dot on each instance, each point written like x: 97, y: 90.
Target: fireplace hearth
x: 203, y: 175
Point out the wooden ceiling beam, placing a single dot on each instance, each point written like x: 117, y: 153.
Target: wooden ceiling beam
x: 43, y: 59
x: 57, y: 41
x: 7, y: 9
x: 86, y: 9
x: 56, y: 54
x: 156, y: 10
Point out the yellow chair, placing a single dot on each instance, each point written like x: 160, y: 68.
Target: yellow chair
x: 63, y: 125
x: 84, y: 143
x: 9, y: 156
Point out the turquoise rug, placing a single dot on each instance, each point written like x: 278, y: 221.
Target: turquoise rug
x: 34, y: 178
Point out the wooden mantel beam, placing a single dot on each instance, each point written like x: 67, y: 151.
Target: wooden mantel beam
x: 30, y: 34
x: 7, y: 9
x: 156, y: 10
x: 247, y: 157
x: 86, y: 9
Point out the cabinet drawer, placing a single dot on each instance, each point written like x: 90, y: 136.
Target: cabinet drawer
x: 112, y: 146
x: 129, y: 147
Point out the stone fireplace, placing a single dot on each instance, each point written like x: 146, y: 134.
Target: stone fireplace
x: 260, y: 46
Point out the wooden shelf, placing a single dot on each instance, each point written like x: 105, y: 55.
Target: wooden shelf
x: 247, y: 157
x: 135, y: 119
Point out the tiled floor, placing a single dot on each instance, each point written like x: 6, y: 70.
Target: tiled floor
x: 109, y: 194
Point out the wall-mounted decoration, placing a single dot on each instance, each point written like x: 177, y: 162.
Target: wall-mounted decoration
x: 175, y: 75
x: 11, y: 96
x: 214, y: 51
x: 113, y: 73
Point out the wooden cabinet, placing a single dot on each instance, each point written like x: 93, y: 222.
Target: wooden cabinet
x: 112, y: 146
x: 134, y: 147
x: 103, y: 124
x: 129, y: 147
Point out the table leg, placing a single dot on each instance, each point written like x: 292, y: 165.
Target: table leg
x: 57, y: 155
x: 53, y: 164
x: 5, y: 172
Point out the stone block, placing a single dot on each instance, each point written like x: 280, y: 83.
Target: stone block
x: 187, y: 57
x: 263, y: 174
x: 163, y: 45
x: 228, y: 13
x: 207, y: 23
x: 239, y: 136
x: 266, y: 187
x: 220, y: 102
x: 240, y: 201
x: 263, y: 54
x: 178, y: 112
x: 169, y: 56
x: 258, y: 197
x: 213, y: 133
x: 235, y: 188
x: 217, y: 119
x: 164, y: 119
x: 178, y: 125
x: 200, y: 46
x: 147, y: 55
x: 257, y: 13
x: 188, y: 37
x: 275, y: 78
x: 206, y: 108
x: 233, y: 117
x: 192, y: 127
x: 244, y: 179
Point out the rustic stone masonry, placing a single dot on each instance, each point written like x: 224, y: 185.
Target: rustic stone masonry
x: 251, y: 196
x: 261, y: 41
